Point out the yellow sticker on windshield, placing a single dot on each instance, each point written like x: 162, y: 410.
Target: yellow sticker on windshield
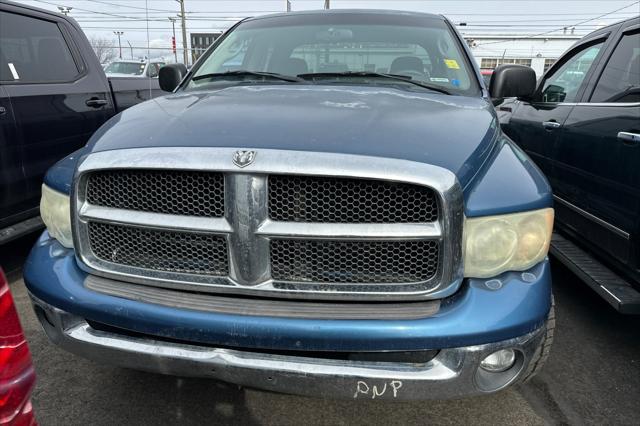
x: 451, y: 63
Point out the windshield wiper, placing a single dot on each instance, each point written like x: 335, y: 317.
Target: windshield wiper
x: 398, y: 77
x: 244, y: 73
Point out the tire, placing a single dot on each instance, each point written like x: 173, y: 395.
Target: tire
x: 542, y: 353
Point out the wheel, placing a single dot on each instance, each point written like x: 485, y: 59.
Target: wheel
x: 542, y: 353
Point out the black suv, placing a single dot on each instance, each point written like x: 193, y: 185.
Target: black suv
x: 582, y: 128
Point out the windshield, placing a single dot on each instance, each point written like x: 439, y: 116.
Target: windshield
x: 131, y: 68
x: 348, y: 48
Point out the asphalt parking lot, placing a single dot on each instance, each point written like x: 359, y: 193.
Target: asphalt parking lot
x: 592, y: 377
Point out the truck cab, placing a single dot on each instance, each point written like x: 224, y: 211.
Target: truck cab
x: 132, y: 68
x: 53, y: 96
x: 582, y: 128
x: 324, y: 205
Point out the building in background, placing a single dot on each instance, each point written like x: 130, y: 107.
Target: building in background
x: 200, y: 42
x: 538, y: 52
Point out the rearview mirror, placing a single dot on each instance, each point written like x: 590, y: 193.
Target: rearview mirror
x: 554, y: 93
x: 170, y: 76
x: 508, y: 81
x: 333, y: 35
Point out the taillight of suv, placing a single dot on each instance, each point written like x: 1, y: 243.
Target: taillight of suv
x: 17, y: 376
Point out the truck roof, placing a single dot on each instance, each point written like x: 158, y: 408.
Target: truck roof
x: 12, y: 4
x: 349, y: 12
x: 34, y: 8
x: 605, y: 30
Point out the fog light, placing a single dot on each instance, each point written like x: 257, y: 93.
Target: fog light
x: 499, y: 361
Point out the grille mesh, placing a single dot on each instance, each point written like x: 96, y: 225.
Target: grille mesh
x: 290, y: 198
x: 346, y: 200
x: 159, y: 250
x: 168, y: 191
x: 354, y: 261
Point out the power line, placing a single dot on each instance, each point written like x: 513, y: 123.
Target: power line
x: 316, y: 1
x: 130, y: 7
x: 561, y: 28
x: 93, y: 11
x: 213, y: 19
x: 270, y: 11
x: 214, y: 15
x: 134, y: 12
x: 532, y: 21
x: 144, y: 29
x: 157, y: 15
x: 461, y: 28
x: 528, y: 14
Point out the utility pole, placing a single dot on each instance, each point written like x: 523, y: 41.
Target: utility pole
x: 288, y: 6
x: 65, y: 10
x: 173, y: 40
x: 130, y: 48
x: 327, y: 4
x: 119, y: 33
x: 184, y: 31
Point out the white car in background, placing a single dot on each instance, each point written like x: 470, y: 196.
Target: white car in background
x: 133, y: 68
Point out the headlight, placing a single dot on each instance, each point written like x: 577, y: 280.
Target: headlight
x: 511, y: 242
x: 55, y: 210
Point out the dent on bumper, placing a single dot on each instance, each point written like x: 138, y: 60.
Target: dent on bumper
x: 476, y: 315
x: 452, y: 373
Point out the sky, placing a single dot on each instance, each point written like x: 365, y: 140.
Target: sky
x: 143, y: 20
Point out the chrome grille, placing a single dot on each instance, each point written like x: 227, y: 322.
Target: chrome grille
x: 158, y: 191
x: 291, y: 224
x: 348, y: 200
x: 354, y: 261
x: 159, y: 250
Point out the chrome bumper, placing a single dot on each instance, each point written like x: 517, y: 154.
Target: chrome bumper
x: 452, y: 373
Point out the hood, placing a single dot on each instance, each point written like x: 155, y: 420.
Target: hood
x: 453, y: 132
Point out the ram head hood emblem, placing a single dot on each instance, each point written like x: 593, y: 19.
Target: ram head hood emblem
x: 244, y: 158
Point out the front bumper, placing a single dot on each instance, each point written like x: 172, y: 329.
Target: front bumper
x: 452, y: 373
x: 479, y: 319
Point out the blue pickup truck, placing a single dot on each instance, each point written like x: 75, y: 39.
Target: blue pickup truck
x: 324, y: 205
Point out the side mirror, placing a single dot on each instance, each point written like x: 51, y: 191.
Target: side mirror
x: 170, y: 76
x: 508, y: 81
